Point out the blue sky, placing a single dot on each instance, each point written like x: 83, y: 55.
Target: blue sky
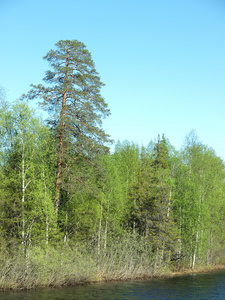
x: 163, y: 61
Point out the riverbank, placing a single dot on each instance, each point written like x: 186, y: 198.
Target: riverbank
x: 199, y: 270
x: 53, y: 267
x: 168, y: 274
x: 198, y: 286
x: 62, y: 280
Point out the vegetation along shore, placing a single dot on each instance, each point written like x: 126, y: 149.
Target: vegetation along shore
x: 73, y: 212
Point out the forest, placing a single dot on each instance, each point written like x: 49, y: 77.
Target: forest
x: 72, y: 211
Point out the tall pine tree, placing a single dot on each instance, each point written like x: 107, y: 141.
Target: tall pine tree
x: 72, y: 97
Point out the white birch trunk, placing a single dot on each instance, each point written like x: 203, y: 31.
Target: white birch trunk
x: 156, y: 259
x: 106, y: 232
x: 195, y: 251
x: 23, y: 193
x: 99, y: 232
x: 46, y: 212
x: 106, y: 223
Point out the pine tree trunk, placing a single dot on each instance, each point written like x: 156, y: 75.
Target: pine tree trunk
x: 61, y: 145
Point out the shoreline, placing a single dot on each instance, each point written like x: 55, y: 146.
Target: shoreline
x: 199, y: 270
x: 101, y: 279
x: 164, y: 275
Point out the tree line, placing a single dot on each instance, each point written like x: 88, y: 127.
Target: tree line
x: 61, y: 187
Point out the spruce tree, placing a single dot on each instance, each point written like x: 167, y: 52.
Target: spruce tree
x: 76, y: 108
x: 162, y: 228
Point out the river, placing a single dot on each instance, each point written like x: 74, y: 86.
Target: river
x: 195, y: 286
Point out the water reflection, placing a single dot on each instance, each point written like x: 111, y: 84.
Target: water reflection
x: 201, y: 286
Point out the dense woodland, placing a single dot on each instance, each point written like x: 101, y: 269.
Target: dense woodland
x: 67, y: 202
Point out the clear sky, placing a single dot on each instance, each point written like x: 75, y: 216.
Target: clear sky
x: 163, y: 61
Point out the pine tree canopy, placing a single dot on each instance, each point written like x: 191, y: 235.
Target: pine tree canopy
x: 76, y: 108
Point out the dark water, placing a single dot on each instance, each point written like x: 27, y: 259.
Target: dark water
x: 197, y: 286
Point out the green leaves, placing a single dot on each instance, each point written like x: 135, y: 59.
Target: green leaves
x: 199, y: 182
x: 26, y: 152
x: 60, y: 185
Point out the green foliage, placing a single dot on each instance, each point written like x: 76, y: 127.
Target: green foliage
x: 127, y: 161
x: 27, y: 185
x: 199, y: 208
x: 136, y: 207
x: 72, y: 98
x: 153, y: 197
x: 70, y: 211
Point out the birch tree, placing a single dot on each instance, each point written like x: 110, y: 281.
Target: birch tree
x: 22, y: 138
x: 198, y: 208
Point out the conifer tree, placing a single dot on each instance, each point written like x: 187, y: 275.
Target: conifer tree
x: 162, y: 230
x: 72, y: 97
x: 142, y: 192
